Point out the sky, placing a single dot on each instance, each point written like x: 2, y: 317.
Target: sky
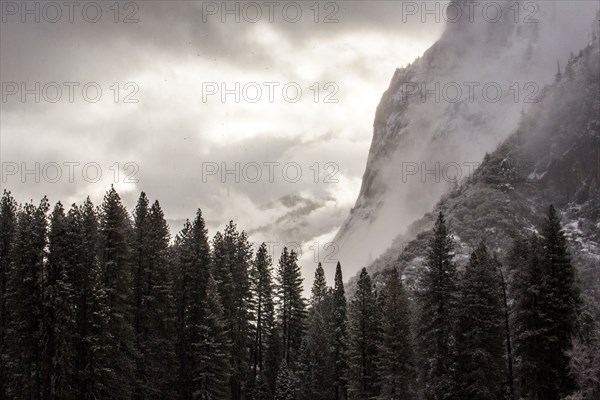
x: 258, y: 112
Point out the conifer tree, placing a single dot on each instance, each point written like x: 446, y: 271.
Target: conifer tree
x: 210, y: 377
x: 319, y: 291
x: 154, y: 306
x: 58, y: 322
x: 364, y: 337
x: 261, y: 389
x: 92, y: 374
x: 193, y: 263
x: 199, y: 370
x: 232, y: 258
x: 287, y: 384
x: 437, y: 312
x: 584, y: 366
x: 529, y: 319
x: 24, y: 303
x: 547, y: 304
x: 315, y: 370
x: 396, y: 362
x: 115, y: 262
x: 98, y: 375
x: 140, y: 250
x: 339, y: 336
x: 292, y: 307
x: 508, y: 333
x: 89, y: 302
x: 480, y: 334
x: 564, y: 301
x: 8, y: 227
x: 264, y: 318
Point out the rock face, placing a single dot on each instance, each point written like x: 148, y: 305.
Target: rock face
x: 552, y: 157
x: 443, y: 112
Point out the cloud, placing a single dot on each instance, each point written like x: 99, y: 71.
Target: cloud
x: 163, y: 141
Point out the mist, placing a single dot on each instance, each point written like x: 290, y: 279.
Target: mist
x: 427, y: 137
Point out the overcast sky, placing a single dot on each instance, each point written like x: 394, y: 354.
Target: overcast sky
x: 171, y: 60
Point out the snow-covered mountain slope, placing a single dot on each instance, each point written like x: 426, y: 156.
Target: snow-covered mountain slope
x: 414, y: 130
x: 553, y: 157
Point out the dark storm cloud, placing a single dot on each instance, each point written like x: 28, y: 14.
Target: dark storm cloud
x: 176, y: 29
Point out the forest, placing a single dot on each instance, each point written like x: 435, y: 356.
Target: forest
x: 98, y: 303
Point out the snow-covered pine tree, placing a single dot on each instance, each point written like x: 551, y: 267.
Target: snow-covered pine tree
x: 396, y: 367
x: 91, y: 359
x: 437, y: 311
x: 287, y: 384
x: 97, y: 377
x: 8, y: 227
x: 292, y: 306
x: 263, y: 312
x: 316, y: 367
x: 58, y: 322
x: 363, y: 338
x: 480, y: 335
x: 24, y: 302
x: 232, y: 259
x: 211, y: 373
x: 92, y: 348
x: 261, y: 389
x: 338, y: 329
x: 564, y: 299
x: 139, y: 273
x: 115, y: 261
x: 154, y: 306
x: 584, y: 367
x: 196, y: 316
x: 547, y: 306
x: 531, y: 332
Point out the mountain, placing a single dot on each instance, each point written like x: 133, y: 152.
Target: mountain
x: 552, y: 157
x: 415, y: 132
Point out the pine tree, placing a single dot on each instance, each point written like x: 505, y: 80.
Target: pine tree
x: 232, y: 258
x: 198, y: 316
x: 115, y: 261
x: 396, y: 362
x: 364, y: 337
x: 98, y: 348
x: 437, y: 311
x: 193, y: 262
x: 564, y: 299
x: 339, y: 336
x: 531, y: 332
x: 8, y: 227
x: 508, y: 339
x: 264, y: 319
x: 315, y: 369
x: 480, y: 330
x: 154, y: 306
x: 94, y: 374
x: 24, y: 303
x: 212, y: 371
x: 584, y: 367
x: 240, y: 330
x: 547, y: 304
x: 58, y: 322
x: 319, y: 291
x: 262, y: 389
x: 287, y: 384
x: 88, y: 300
x: 140, y: 286
x: 292, y: 307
